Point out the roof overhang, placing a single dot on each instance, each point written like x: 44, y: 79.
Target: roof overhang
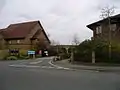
x: 113, y: 19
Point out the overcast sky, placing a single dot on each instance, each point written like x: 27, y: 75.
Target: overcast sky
x: 62, y: 19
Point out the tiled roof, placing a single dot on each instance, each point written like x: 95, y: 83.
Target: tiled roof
x: 20, y: 30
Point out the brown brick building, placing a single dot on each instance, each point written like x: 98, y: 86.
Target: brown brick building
x: 24, y: 36
x: 101, y: 28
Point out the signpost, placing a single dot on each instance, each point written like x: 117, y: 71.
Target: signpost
x: 32, y: 53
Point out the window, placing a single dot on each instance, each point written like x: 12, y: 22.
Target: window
x: 98, y: 30
x: 113, y: 27
x: 10, y: 42
x: 18, y: 41
x: 38, y: 39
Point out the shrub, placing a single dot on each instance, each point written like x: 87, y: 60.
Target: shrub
x: 23, y: 57
x: 102, y: 54
x: 23, y: 52
x: 84, y: 52
x: 64, y: 56
x: 12, y: 58
x: 52, y: 51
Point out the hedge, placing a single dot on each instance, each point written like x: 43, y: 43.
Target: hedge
x: 84, y: 52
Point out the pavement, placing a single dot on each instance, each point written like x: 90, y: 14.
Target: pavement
x: 42, y: 74
x: 66, y: 64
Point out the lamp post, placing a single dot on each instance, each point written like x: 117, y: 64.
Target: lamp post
x: 109, y: 37
x: 72, y: 55
x: 93, y: 51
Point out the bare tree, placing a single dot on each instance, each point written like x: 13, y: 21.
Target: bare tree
x: 76, y: 40
x: 54, y: 43
x: 106, y: 13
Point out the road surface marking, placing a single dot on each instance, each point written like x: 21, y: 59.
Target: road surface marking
x: 67, y: 68
x: 17, y: 65
x: 35, y: 62
x: 51, y: 67
x: 32, y: 66
x: 44, y: 67
x: 58, y: 67
x: 50, y: 62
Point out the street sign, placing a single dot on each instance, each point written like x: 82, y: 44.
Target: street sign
x: 31, y: 52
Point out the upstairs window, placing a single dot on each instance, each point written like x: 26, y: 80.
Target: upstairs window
x: 113, y: 27
x: 98, y: 30
x: 10, y: 42
x: 38, y: 39
x: 18, y: 41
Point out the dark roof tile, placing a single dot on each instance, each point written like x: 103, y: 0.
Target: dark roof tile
x: 20, y: 30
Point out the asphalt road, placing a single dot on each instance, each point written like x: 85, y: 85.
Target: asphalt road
x: 40, y: 75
